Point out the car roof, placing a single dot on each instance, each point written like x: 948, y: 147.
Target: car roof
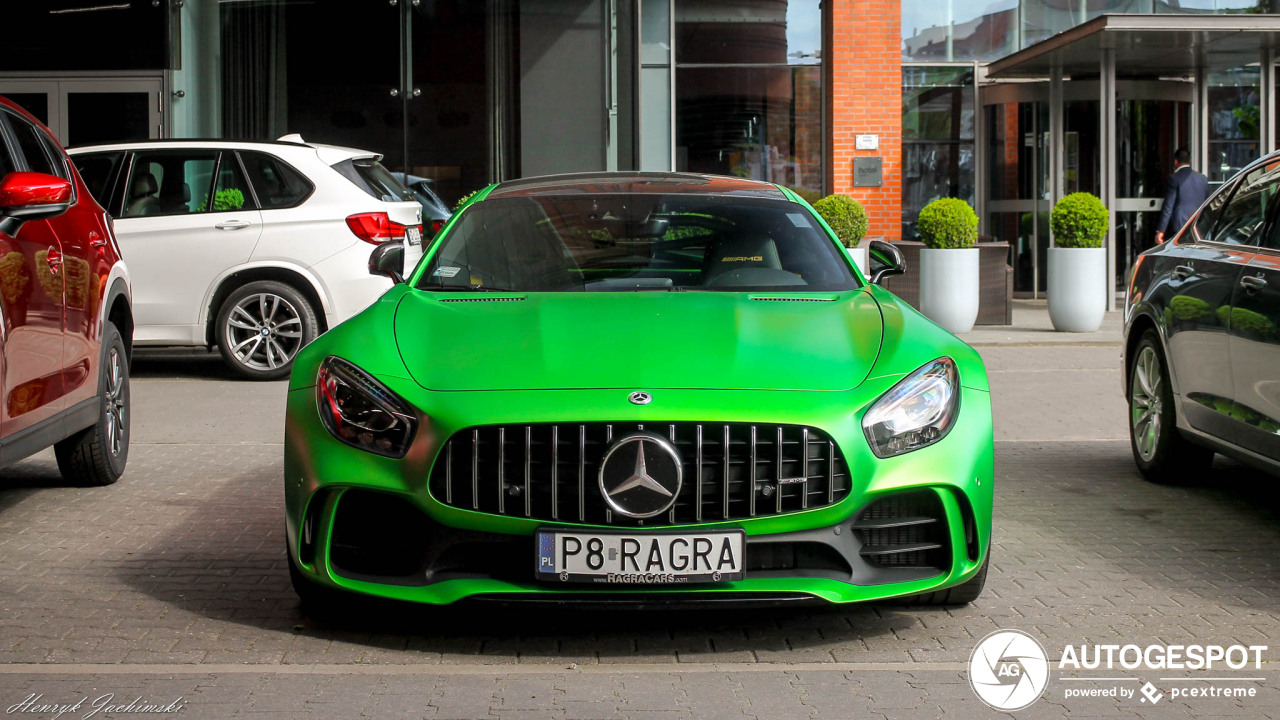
x: 664, y: 183
x: 330, y: 154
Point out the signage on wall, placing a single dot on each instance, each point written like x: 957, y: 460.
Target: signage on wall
x: 866, y: 142
x: 866, y: 172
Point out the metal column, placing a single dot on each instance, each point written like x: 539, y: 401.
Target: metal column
x: 1267, y: 101
x: 1107, y: 132
x: 1056, y: 140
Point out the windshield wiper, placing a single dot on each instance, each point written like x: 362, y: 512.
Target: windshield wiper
x: 466, y: 288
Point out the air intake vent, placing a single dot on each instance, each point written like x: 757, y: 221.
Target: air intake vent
x: 550, y: 472
x: 481, y: 299
x: 905, y: 530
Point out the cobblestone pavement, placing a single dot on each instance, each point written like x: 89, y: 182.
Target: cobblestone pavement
x: 171, y: 587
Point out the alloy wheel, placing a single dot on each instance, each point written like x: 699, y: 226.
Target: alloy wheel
x: 115, y: 404
x: 264, y: 331
x: 1146, y: 404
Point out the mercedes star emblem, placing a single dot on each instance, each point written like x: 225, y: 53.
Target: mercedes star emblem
x: 640, y: 398
x: 644, y: 482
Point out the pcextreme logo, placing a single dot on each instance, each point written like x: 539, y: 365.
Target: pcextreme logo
x: 1009, y: 670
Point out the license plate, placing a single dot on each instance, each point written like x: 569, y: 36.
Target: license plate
x: 659, y: 558
x: 413, y: 235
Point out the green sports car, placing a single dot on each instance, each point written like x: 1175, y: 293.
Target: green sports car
x: 644, y: 388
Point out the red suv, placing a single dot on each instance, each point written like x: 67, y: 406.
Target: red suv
x: 66, y: 327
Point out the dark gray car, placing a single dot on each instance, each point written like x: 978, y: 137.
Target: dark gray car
x: 1202, y: 335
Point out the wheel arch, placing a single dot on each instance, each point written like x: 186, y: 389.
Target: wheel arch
x: 1141, y: 323
x: 118, y: 310
x: 295, y: 278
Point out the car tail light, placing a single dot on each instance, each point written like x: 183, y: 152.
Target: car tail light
x: 375, y: 228
x: 436, y: 225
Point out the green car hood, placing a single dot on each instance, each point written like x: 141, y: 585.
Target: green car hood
x: 688, y: 340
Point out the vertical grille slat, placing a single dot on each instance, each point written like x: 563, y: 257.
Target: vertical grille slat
x: 555, y: 472
x: 528, y: 469
x: 741, y: 478
x: 502, y: 475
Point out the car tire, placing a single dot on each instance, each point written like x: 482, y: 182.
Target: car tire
x: 261, y: 326
x: 97, y: 455
x: 962, y: 594
x: 1162, y: 453
x: 318, y: 600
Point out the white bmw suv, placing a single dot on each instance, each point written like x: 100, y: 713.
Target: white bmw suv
x: 255, y: 247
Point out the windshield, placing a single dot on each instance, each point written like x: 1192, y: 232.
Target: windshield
x: 636, y: 242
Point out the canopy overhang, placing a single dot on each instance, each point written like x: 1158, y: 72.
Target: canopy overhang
x: 1147, y: 46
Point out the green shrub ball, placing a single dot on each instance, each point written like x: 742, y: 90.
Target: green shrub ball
x: 948, y: 223
x: 1079, y: 220
x: 845, y: 216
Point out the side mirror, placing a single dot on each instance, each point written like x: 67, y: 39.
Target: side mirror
x: 388, y: 260
x: 33, y: 196
x: 884, y: 260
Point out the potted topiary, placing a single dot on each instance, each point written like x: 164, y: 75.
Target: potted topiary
x: 848, y: 220
x: 949, y: 264
x: 1078, y: 263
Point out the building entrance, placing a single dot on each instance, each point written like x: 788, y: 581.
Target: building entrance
x: 1153, y: 119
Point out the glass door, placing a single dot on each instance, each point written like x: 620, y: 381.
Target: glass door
x: 1016, y: 208
x: 88, y: 112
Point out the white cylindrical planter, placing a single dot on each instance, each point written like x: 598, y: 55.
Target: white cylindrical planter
x: 949, y: 287
x: 859, y: 257
x: 1077, y: 288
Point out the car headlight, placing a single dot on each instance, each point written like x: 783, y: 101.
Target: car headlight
x: 916, y: 412
x: 361, y: 411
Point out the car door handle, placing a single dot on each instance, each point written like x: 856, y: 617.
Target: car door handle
x: 1253, y: 282
x: 1183, y: 271
x: 53, y: 258
x: 232, y: 225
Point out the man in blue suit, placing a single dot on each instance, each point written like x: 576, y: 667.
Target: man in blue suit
x: 1188, y: 189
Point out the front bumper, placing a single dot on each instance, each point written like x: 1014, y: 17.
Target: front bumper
x: 369, y: 524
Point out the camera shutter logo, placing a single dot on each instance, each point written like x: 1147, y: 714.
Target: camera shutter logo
x: 1008, y: 670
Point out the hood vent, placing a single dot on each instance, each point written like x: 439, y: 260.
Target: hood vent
x: 794, y: 299
x: 481, y: 299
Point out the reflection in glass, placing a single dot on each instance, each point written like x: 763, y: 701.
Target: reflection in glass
x: 764, y: 31
x: 1233, y: 122
x: 950, y: 30
x: 955, y: 30
x: 937, y: 138
x: 761, y: 123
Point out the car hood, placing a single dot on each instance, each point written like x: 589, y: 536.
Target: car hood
x: 640, y: 340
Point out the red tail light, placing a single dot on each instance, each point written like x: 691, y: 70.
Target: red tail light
x: 436, y: 225
x: 375, y: 228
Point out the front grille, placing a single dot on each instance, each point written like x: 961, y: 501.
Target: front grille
x: 550, y: 471
x: 906, y: 529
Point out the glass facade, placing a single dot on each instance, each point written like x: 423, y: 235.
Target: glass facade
x: 956, y: 30
x: 1233, y: 122
x: 937, y: 138
x: 749, y: 90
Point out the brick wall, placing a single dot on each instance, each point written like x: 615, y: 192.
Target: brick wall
x: 864, y: 72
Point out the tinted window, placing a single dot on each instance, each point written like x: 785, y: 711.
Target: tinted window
x: 170, y: 183
x: 97, y: 170
x: 599, y: 243
x: 276, y: 183
x: 33, y: 146
x: 1203, y: 227
x: 1243, y: 219
x: 377, y: 181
